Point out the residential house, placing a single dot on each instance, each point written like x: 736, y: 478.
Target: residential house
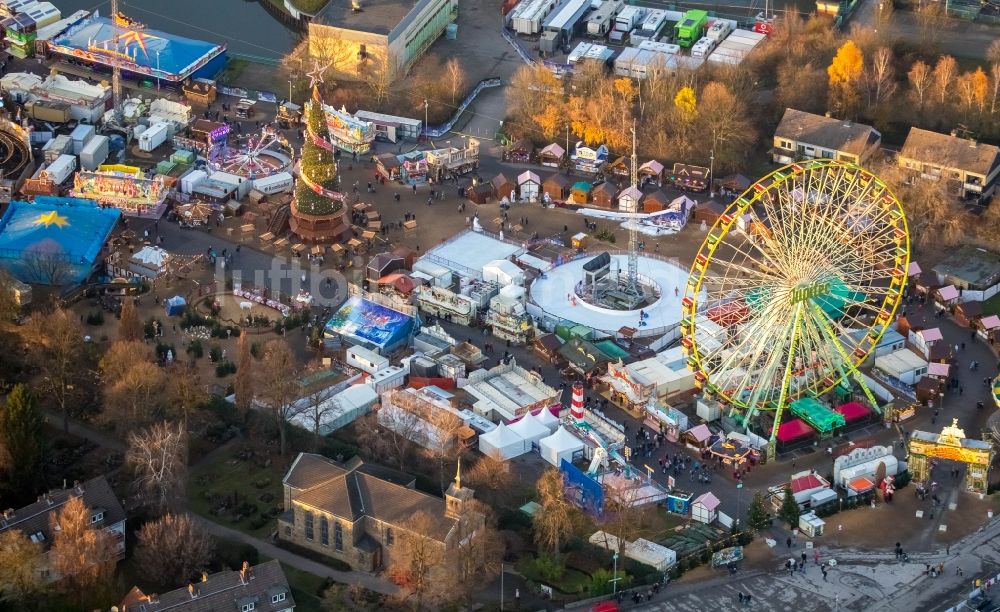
x: 971, y: 168
x: 261, y: 588
x: 36, y: 520
x: 358, y: 512
x: 802, y: 135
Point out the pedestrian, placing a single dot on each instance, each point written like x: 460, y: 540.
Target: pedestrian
x: 823, y: 569
x: 788, y: 542
x: 740, y: 594
x: 803, y: 559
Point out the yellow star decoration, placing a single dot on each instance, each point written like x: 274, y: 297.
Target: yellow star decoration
x: 51, y: 218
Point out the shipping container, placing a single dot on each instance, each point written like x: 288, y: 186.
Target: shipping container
x: 53, y: 112
x: 94, y: 153
x: 602, y: 20
x: 276, y: 183
x: 154, y: 136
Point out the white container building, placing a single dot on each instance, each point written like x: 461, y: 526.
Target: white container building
x: 60, y: 169
x: 602, y: 20
x: 526, y: 18
x: 276, y: 183
x: 659, y: 47
x: 566, y: 20
x: 650, y: 28
x: 94, y: 153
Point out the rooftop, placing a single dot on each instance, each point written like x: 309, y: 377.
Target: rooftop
x: 263, y: 585
x: 375, y: 17
x: 35, y: 519
x: 950, y: 151
x: 971, y: 265
x: 355, y: 489
x: 826, y: 132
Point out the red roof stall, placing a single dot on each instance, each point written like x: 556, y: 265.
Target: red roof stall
x: 853, y: 412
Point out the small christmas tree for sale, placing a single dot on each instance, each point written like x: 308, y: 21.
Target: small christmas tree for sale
x: 317, y: 168
x: 789, y: 509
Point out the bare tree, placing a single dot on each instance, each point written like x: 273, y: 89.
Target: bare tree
x: 419, y: 561
x: 995, y: 81
x: 243, y: 382
x: 491, y: 478
x: 379, y: 73
x: 46, y: 263
x: 553, y: 521
x: 456, y: 77
x: 83, y: 555
x: 9, y: 306
x: 722, y: 117
x: 57, y: 340
x: 448, y: 444
x: 20, y: 578
x: 389, y: 434
x: 478, y: 548
x: 328, y: 48
x: 315, y: 406
x: 158, y: 457
x: 134, y: 391
x: 185, y: 389
x: 931, y: 23
x: 624, y: 515
x: 880, y: 77
x: 278, y: 383
x: 944, y: 75
x: 920, y: 77
x: 172, y: 549
x: 129, y: 326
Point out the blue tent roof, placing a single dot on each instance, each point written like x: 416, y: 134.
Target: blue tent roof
x: 66, y: 230
x: 141, y: 50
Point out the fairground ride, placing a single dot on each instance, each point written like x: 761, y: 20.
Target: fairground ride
x: 793, y: 287
x: 260, y: 155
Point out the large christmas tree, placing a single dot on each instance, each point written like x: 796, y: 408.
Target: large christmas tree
x: 316, y: 165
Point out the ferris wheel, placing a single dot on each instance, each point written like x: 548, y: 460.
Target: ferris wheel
x: 259, y: 155
x: 794, y: 286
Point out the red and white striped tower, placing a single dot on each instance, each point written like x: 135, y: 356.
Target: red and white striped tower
x: 576, y: 407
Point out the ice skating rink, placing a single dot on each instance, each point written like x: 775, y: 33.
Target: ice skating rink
x: 552, y: 293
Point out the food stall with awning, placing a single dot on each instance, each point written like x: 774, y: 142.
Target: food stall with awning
x: 733, y: 452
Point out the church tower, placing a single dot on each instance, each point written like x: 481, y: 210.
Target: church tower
x: 457, y: 496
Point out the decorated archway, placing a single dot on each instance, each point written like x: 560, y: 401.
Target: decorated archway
x: 951, y: 444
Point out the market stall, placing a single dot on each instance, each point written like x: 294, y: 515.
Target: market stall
x: 552, y: 156
x: 589, y: 159
x: 388, y: 166
x: 503, y: 187
x: 651, y: 173
x: 503, y: 443
x: 733, y: 452
x: 530, y: 429
x: 855, y: 413
x: 520, y: 152
x: 689, y: 178
x: 556, y: 188
x: 705, y: 509
x: 529, y: 186
x: 679, y: 502
x: 619, y: 167
x: 603, y: 194
x: 655, y: 202
x: 559, y: 446
x: 698, y: 437
x: 794, y: 433
x: 630, y: 200
x: 581, y: 192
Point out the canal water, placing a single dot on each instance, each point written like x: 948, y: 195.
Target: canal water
x: 243, y: 25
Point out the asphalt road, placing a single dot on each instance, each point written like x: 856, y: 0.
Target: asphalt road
x: 954, y: 36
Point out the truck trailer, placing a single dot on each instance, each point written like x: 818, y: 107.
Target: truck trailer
x: 602, y: 21
x: 691, y: 28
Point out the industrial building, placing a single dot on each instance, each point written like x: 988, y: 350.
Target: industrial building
x: 373, y: 32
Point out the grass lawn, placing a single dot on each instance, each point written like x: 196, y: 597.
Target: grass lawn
x: 992, y: 305
x: 238, y: 491
x: 572, y: 582
x: 309, y: 6
x: 305, y: 589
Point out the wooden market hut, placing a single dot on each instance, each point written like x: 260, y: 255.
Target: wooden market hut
x: 734, y: 183
x: 689, y: 177
x: 708, y: 211
x: 651, y: 172
x: 926, y: 282
x: 655, y: 202
x: 619, y: 167
x: 547, y: 346
x: 967, y: 313
x: 556, y: 187
x: 388, y: 166
x: 552, y: 156
x: 630, y: 199
x: 529, y: 186
x: 603, y: 195
x: 480, y: 193
x: 580, y: 192
x: 520, y: 152
x: 503, y: 187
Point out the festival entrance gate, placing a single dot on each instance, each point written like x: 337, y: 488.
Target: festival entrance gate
x: 951, y: 444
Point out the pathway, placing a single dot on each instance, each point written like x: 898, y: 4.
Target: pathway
x: 83, y: 430
x: 368, y: 581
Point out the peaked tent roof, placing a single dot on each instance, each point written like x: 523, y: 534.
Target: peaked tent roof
x: 530, y: 428
x: 502, y: 436
x: 545, y: 417
x: 562, y: 440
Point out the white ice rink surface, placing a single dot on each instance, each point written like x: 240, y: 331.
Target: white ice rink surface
x: 550, y: 293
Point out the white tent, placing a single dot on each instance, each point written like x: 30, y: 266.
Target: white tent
x: 560, y: 445
x: 503, y: 441
x: 545, y: 417
x: 651, y: 553
x: 530, y: 429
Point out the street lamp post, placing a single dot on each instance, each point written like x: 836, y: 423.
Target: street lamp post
x: 289, y: 91
x: 739, y: 500
x: 614, y: 581
x: 157, y: 70
x: 501, y: 586
x: 711, y: 172
x: 425, y: 115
